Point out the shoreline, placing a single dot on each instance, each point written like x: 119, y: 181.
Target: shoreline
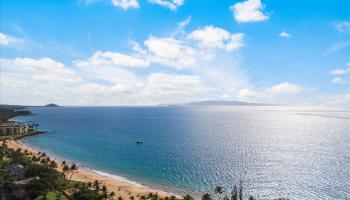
x: 120, y: 185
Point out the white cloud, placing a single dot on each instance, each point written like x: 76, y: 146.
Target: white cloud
x: 211, y: 37
x: 181, y: 26
x: 198, y: 45
x: 342, y: 27
x: 115, y: 78
x: 340, y: 71
x: 4, y: 39
x: 31, y: 81
x: 185, y: 22
x: 285, y: 34
x: 45, y: 80
x: 170, y: 52
x: 284, y: 88
x: 172, y: 88
x: 337, y: 47
x: 271, y: 94
x: 171, y: 4
x: 126, y: 4
x: 341, y: 100
x: 339, y: 80
x: 248, y: 93
x: 249, y: 11
x: 43, y: 69
x: 112, y: 68
x: 7, y: 40
x: 113, y: 59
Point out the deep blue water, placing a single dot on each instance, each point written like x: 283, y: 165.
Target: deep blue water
x: 276, y: 152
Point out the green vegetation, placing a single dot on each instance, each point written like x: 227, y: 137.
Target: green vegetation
x: 24, y: 175
x: 7, y: 112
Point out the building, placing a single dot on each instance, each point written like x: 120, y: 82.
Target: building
x: 13, y: 128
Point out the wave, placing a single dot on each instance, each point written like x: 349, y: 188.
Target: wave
x: 116, y: 177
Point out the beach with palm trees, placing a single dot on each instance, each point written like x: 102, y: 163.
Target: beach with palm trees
x: 121, y: 188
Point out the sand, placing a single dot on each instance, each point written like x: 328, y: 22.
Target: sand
x: 121, y: 188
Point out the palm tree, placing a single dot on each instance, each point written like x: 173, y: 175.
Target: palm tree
x: 155, y: 197
x: 150, y: 195
x: 104, y: 189
x: 53, y: 164
x: 188, y: 197
x: 206, y: 196
x: 43, y: 161
x: 65, y: 169
x: 240, y: 191
x: 234, y: 194
x: 96, y: 185
x: 143, y: 197
x: 172, y: 197
x: 225, y: 198
x: 111, y: 195
x: 72, y: 169
x: 218, y: 190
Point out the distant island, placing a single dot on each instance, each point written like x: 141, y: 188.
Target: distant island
x: 52, y: 105
x: 218, y: 103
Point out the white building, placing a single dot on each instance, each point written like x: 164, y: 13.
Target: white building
x: 13, y: 128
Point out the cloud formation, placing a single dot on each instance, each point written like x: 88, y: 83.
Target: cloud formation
x: 170, y: 4
x: 342, y: 26
x: 7, y: 40
x: 285, y: 34
x: 113, y: 59
x: 339, y: 80
x: 340, y: 71
x: 42, y: 69
x: 340, y: 100
x: 184, y: 53
x: 270, y: 94
x: 125, y: 4
x: 211, y: 37
x: 249, y: 11
x: 113, y: 78
x: 160, y: 84
x: 170, y: 52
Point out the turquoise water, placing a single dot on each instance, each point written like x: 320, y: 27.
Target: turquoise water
x: 275, y: 151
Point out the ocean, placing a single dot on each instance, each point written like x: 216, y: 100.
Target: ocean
x: 291, y: 152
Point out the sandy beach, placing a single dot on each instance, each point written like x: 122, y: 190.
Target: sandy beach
x: 121, y: 188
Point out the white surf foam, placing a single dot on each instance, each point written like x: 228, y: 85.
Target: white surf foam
x: 116, y: 177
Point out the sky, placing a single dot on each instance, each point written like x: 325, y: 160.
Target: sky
x: 149, y: 52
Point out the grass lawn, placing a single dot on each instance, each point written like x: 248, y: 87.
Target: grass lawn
x: 55, y: 196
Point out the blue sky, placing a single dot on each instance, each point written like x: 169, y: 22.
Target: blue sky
x: 145, y: 52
